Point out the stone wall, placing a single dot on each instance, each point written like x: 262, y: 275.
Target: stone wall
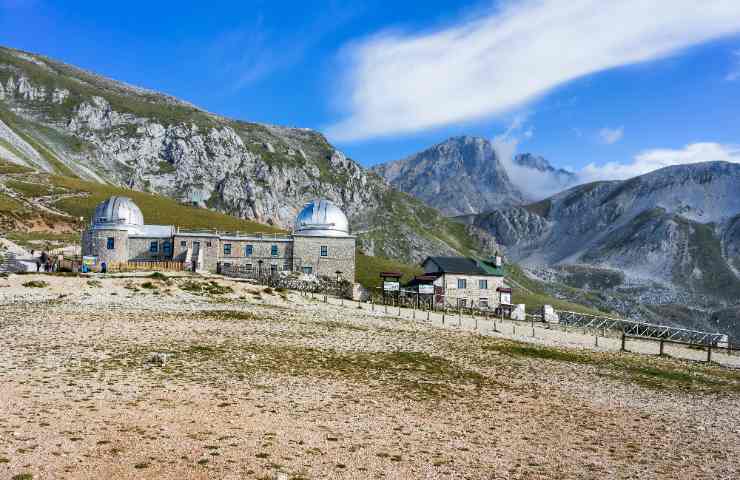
x: 340, y: 255
x: 139, y: 248
x: 95, y: 243
x: 472, y: 292
x: 209, y: 244
x: 261, y: 250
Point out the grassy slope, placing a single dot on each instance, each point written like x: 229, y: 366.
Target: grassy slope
x: 156, y: 209
x: 369, y: 268
x: 534, y: 294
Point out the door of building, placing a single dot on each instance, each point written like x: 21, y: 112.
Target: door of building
x: 196, y: 253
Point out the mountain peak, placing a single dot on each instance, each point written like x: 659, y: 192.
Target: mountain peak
x: 461, y: 175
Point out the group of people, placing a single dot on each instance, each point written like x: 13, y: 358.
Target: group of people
x: 44, y: 261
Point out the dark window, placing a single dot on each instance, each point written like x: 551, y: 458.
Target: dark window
x: 462, y: 283
x: 183, y: 243
x: 208, y: 244
x: 274, y: 251
x: 324, y: 251
x: 248, y: 267
x: 167, y: 248
x: 308, y: 270
x: 483, y: 284
x: 227, y: 249
x: 248, y: 250
x: 111, y: 244
x: 462, y: 302
x: 153, y: 247
x: 483, y: 303
x: 273, y: 268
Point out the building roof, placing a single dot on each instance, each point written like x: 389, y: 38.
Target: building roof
x: 466, y: 265
x: 117, y: 211
x: 321, y: 218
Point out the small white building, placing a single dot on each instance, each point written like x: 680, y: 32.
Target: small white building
x: 467, y: 282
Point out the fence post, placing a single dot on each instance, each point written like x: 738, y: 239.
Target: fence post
x: 660, y: 353
x: 624, y: 342
x: 709, y: 354
x: 443, y: 314
x: 372, y: 304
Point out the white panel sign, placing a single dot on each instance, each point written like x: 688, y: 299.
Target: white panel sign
x: 391, y: 286
x: 426, y: 289
x: 506, y: 298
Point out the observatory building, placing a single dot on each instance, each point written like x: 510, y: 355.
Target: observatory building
x: 320, y: 243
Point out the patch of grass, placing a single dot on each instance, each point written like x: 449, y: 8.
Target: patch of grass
x: 652, y: 373
x: 9, y: 204
x: 404, y: 374
x: 28, y: 189
x: 367, y: 270
x: 149, y: 286
x: 36, y: 284
x: 35, y: 240
x: 158, y: 276
x: 22, y: 476
x: 8, y: 167
x: 205, y: 288
x: 95, y: 283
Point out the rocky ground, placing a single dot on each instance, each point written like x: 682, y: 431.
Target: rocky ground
x: 266, y: 384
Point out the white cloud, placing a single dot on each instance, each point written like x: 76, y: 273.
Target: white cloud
x: 611, y: 135
x: 400, y: 82
x: 535, y: 184
x: 650, y: 160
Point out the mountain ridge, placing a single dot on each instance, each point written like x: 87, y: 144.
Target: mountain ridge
x: 65, y: 120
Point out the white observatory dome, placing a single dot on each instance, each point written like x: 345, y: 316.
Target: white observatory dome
x: 321, y: 218
x: 117, y: 211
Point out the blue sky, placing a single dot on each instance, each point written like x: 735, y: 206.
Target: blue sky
x: 606, y: 93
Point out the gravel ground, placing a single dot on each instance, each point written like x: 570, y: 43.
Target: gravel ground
x: 260, y: 383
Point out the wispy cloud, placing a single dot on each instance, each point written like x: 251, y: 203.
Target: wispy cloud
x: 611, y: 135
x: 734, y: 73
x: 400, y: 82
x: 653, y: 159
x: 256, y: 50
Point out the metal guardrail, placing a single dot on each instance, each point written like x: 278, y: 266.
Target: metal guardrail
x: 641, y: 329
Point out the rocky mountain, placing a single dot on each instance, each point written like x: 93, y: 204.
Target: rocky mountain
x: 63, y: 120
x: 459, y: 176
x: 673, y: 235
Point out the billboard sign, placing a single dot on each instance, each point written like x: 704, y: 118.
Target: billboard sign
x: 426, y: 289
x: 391, y: 286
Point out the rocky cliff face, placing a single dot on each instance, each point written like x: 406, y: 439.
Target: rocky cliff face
x: 59, y: 119
x: 460, y: 176
x: 674, y: 233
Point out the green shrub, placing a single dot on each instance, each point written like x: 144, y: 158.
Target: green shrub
x: 36, y: 284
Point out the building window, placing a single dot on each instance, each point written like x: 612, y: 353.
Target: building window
x: 287, y: 267
x: 208, y: 244
x: 227, y: 249
x: 248, y: 267
x: 111, y: 243
x: 483, y: 284
x: 308, y: 270
x: 153, y: 247
x: 483, y: 303
x: 462, y: 302
x: 167, y: 248
x: 248, y: 250
x: 324, y: 251
x: 274, y: 251
x: 462, y: 283
x: 273, y: 269
x: 183, y: 243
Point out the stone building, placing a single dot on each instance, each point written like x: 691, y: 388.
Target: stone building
x: 465, y: 282
x: 320, y: 243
